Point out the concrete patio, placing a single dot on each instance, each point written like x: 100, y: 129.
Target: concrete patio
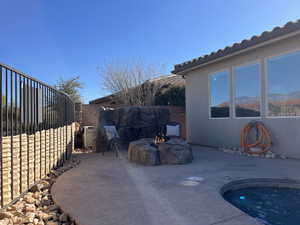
x: 105, y: 190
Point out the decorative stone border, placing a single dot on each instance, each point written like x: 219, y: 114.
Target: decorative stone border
x: 36, y: 207
x: 240, y: 151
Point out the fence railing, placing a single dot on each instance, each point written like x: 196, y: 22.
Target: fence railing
x: 36, y: 131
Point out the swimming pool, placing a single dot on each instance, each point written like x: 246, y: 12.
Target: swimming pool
x: 272, y: 202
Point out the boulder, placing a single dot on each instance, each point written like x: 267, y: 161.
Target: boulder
x: 104, y: 118
x: 175, y: 151
x: 63, y: 218
x: 141, y: 116
x: 143, y: 151
x: 5, y: 221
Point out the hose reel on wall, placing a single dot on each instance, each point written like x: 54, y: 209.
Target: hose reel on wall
x: 263, y: 141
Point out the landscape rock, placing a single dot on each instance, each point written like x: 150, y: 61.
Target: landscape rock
x: 29, y: 208
x: 37, y: 207
x: 53, y: 208
x: 241, y: 151
x: 4, y: 215
x: 35, y: 221
x: 36, y: 188
x: 30, y: 217
x: 46, y: 202
x: 63, y: 218
x: 270, y: 154
x: 143, y: 151
x: 29, y: 199
x: 20, y: 219
x: 5, y: 221
x: 53, y: 223
x: 17, y: 206
x: 36, y: 195
x: 175, y: 151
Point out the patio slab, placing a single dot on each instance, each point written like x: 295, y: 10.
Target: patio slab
x: 105, y: 190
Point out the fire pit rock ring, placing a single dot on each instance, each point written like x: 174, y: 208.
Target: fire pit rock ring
x: 173, y: 151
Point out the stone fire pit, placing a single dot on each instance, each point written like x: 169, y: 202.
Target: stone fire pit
x: 146, y: 152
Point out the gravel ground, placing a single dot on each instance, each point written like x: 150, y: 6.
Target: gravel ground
x: 36, y: 207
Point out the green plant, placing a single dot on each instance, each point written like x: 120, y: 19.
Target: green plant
x: 172, y: 96
x: 71, y: 87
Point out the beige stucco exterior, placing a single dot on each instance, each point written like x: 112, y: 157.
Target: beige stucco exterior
x: 226, y: 132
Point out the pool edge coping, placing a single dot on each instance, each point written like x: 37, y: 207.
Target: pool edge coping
x: 259, y: 182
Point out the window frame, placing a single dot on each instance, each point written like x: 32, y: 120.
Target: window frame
x: 253, y: 62
x: 229, y: 93
x: 288, y: 52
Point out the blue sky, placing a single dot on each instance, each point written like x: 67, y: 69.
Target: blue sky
x: 49, y: 39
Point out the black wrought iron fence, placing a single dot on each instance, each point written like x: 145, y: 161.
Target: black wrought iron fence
x: 28, y: 106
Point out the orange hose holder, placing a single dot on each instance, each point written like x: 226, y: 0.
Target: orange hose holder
x: 263, y: 140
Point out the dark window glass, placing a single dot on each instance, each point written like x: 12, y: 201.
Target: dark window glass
x: 284, y: 85
x: 219, y: 95
x: 247, y: 91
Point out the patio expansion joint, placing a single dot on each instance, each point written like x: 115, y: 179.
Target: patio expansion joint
x: 227, y: 219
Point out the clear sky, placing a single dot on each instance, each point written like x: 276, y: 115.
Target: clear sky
x: 49, y: 39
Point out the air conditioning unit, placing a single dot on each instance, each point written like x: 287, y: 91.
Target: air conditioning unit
x: 89, y: 137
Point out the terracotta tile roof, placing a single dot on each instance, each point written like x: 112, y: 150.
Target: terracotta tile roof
x: 277, y: 32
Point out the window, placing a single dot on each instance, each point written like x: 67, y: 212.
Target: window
x: 284, y: 85
x: 247, y: 91
x: 219, y: 95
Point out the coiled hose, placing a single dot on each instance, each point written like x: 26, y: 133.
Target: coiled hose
x: 263, y: 139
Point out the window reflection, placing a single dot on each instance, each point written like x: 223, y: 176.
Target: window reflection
x: 219, y: 95
x: 284, y: 85
x: 247, y: 91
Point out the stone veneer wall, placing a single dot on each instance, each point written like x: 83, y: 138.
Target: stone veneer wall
x: 89, y: 116
x: 28, y: 158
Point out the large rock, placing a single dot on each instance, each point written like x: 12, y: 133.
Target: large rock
x: 175, y: 151
x: 143, y: 151
x: 105, y: 118
x: 132, y: 123
x: 138, y: 122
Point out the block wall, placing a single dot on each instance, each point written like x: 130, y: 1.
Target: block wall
x: 26, y: 159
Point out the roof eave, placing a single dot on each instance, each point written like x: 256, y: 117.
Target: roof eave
x: 184, y: 70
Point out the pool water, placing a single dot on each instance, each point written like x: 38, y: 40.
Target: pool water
x: 269, y: 205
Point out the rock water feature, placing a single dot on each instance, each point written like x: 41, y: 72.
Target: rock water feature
x: 173, y: 151
x: 36, y: 207
x: 137, y: 126
x: 132, y: 123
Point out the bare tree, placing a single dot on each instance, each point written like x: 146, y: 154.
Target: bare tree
x: 132, y: 84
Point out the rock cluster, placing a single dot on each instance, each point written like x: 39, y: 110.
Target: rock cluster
x: 240, y: 151
x: 36, y: 207
x: 146, y: 152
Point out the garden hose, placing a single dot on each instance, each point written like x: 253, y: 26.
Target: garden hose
x: 263, y: 139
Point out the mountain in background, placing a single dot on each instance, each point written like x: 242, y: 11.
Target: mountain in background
x: 279, y: 105
x: 292, y: 98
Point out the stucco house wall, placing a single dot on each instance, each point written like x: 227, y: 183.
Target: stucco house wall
x: 201, y: 129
